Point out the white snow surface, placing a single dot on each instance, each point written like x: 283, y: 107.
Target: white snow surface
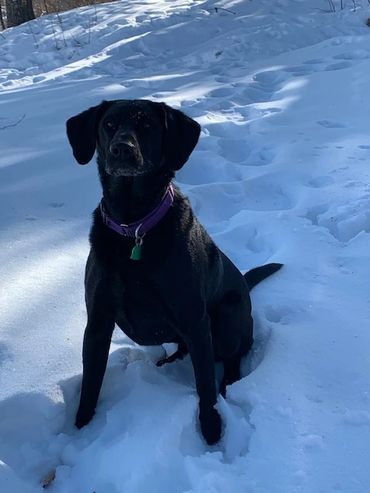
x: 281, y: 174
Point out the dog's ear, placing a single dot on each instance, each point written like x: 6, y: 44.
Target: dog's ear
x: 181, y: 134
x: 82, y: 132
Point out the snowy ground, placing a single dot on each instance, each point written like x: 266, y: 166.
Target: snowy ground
x: 281, y: 173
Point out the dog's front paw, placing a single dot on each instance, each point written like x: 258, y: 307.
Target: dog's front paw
x: 210, y: 424
x: 83, y: 418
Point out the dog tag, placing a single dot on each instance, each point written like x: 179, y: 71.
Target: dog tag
x: 136, y: 253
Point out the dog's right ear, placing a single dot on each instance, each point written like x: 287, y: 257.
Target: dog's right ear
x: 82, y: 132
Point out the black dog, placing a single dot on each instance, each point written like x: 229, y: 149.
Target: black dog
x: 153, y: 269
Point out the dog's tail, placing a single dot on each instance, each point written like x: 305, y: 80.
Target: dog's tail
x: 258, y: 274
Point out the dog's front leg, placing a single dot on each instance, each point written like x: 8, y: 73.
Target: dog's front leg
x: 95, y: 356
x: 199, y: 343
x: 97, y: 338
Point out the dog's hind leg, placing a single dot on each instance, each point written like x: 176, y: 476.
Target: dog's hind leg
x: 231, y: 372
x: 232, y: 332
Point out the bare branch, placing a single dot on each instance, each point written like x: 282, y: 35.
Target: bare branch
x: 226, y: 10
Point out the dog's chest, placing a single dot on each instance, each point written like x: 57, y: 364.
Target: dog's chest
x: 140, y: 311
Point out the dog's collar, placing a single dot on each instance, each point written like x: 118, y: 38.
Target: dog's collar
x: 139, y: 228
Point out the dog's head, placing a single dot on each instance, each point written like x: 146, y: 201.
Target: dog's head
x: 133, y: 137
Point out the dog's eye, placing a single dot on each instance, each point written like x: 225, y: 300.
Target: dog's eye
x: 110, y: 125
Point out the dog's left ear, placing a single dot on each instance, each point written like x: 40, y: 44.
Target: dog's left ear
x: 82, y: 132
x: 181, y: 134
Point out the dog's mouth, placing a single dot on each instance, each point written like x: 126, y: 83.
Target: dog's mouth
x: 132, y: 167
x: 112, y: 171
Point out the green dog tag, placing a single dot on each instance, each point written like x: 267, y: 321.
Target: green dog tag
x: 136, y: 253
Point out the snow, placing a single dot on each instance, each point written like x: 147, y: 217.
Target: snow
x: 281, y: 174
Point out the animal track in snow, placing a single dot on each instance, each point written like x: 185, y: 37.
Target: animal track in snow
x: 265, y: 84
x: 239, y: 196
x: 258, y: 200
x: 56, y: 205
x: 311, y: 441
x: 330, y: 124
x: 4, y: 354
x: 238, y: 231
x: 357, y: 418
x: 321, y: 181
x: 353, y: 55
x: 314, y: 61
x: 344, y: 227
x: 38, y: 78
x: 241, y: 151
x: 221, y: 92
x: 265, y: 155
x: 271, y: 79
x: 258, y: 244
x: 234, y: 150
x: 338, y: 66
x: 313, y: 213
x: 299, y: 70
x: 277, y: 315
x: 346, y: 223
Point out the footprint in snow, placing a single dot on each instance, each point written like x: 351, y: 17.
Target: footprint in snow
x: 299, y: 70
x: 343, y: 225
x: 337, y: 66
x: 262, y: 157
x: 254, y: 93
x: 330, y: 124
x: 4, y: 354
x: 270, y: 81
x: 229, y: 129
x: 311, y: 441
x: 314, y: 61
x: 234, y: 150
x: 357, y: 418
x: 267, y: 154
x: 56, y: 205
x: 353, y: 55
x: 221, y: 92
x: 344, y: 229
x: 321, y: 181
x: 223, y: 79
x: 278, y: 315
x: 248, y: 195
x: 313, y: 213
x: 269, y: 77
x: 38, y: 78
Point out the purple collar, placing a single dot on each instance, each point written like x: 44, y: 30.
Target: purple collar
x: 139, y: 228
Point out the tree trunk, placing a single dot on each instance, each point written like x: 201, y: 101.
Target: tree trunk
x: 18, y: 11
x: 2, y: 24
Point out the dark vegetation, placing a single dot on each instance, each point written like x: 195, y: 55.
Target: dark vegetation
x: 15, y: 12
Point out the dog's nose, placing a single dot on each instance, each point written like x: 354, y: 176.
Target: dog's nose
x: 121, y: 149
